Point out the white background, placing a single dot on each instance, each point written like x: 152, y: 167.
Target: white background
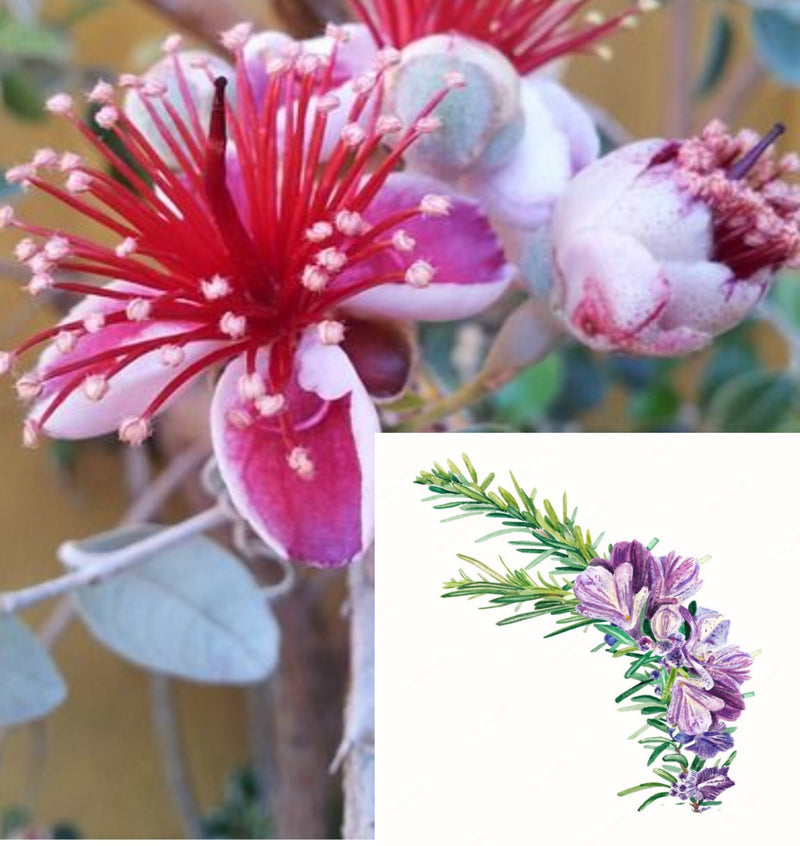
x: 489, y: 735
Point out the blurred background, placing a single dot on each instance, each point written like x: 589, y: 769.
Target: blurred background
x: 98, y: 764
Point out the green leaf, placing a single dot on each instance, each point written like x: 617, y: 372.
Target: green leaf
x: 732, y: 355
x: 192, y: 610
x: 656, y: 405
x: 785, y: 296
x: 33, y: 41
x: 21, y: 95
x: 776, y: 34
x: 758, y: 401
x: 656, y: 752
x: 31, y: 685
x: 639, y: 662
x: 677, y: 758
x: 717, y: 55
x: 665, y: 775
x: 525, y: 399
x: 473, y: 474
x: 642, y: 786
x: 569, y: 628
x: 652, y: 799
x: 632, y: 690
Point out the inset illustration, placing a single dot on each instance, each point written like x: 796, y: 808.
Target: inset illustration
x: 680, y: 672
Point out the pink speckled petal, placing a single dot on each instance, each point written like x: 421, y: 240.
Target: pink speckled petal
x: 610, y: 291
x: 706, y: 297
x: 597, y: 190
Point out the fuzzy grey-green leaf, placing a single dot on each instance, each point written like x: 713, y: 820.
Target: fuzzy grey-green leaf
x: 192, y: 611
x: 31, y: 685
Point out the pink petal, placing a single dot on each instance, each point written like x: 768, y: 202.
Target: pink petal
x: 663, y: 218
x: 130, y: 391
x: 258, y: 51
x: 559, y: 140
x: 325, y: 520
x: 472, y: 271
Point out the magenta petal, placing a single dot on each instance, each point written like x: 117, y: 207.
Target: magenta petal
x: 325, y: 520
x: 471, y: 267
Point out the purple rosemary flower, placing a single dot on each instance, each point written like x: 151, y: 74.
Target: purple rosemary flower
x: 610, y: 595
x: 707, y: 744
x: 669, y: 580
x: 711, y: 782
x: 691, y: 706
x: 677, y: 579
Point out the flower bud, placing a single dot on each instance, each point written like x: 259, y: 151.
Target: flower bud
x: 559, y: 140
x: 482, y: 122
x: 662, y: 245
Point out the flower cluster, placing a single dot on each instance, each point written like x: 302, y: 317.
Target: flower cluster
x: 262, y: 234
x: 694, y: 668
x: 686, y: 678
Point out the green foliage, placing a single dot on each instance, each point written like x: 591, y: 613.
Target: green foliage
x: 241, y: 815
x: 776, y: 35
x: 17, y: 823
x: 550, y: 535
x: 524, y: 401
x: 717, y: 55
x: 36, y: 55
x: 21, y: 95
x: 758, y: 401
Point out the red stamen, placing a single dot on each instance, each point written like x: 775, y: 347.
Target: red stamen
x: 530, y: 33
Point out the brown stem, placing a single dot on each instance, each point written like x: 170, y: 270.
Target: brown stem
x: 308, y: 17
x: 308, y: 696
